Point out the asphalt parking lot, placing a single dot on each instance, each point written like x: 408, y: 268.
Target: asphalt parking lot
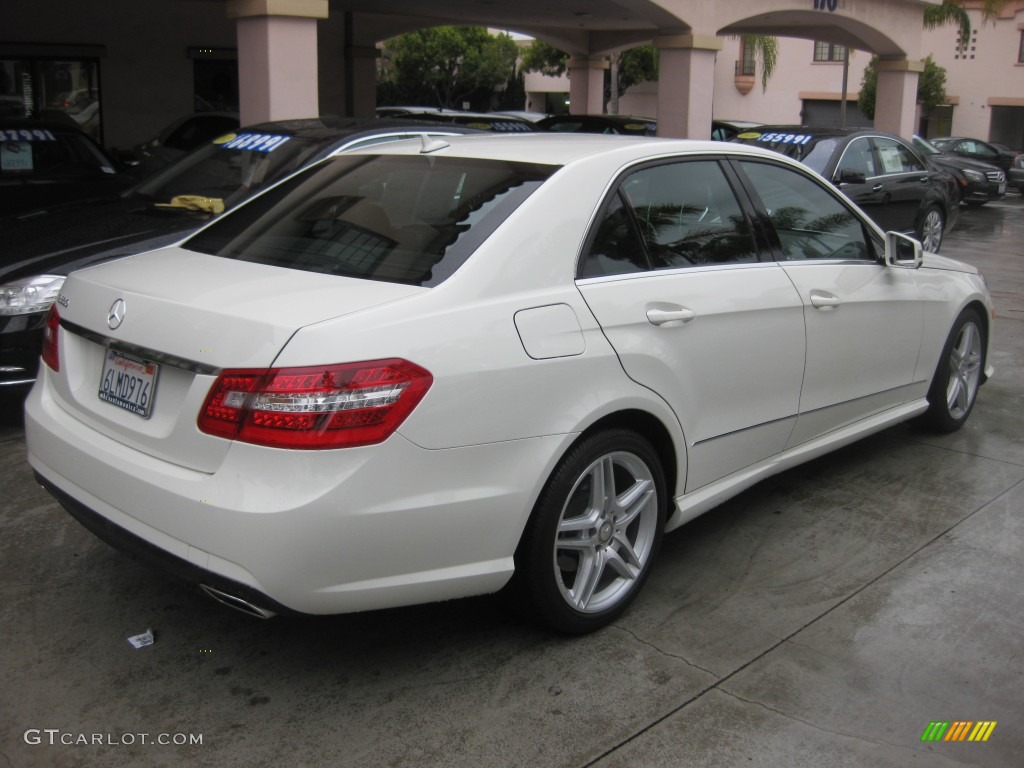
x: 824, y: 618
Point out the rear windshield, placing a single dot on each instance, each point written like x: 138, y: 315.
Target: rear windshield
x: 231, y: 169
x: 813, y: 151
x: 410, y: 219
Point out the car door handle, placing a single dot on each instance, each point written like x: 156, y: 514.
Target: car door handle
x: 662, y: 316
x: 824, y: 300
x: 878, y: 188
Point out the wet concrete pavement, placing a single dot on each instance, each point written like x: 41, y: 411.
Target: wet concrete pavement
x: 823, y: 618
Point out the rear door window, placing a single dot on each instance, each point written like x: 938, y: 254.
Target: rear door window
x: 672, y: 215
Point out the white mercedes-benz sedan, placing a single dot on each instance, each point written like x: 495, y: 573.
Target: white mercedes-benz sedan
x: 438, y: 368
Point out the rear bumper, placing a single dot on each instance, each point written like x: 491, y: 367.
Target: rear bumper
x: 318, y: 532
x: 139, y: 549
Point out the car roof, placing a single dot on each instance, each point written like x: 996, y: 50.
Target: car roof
x: 28, y: 123
x: 329, y: 126
x: 820, y: 131
x: 567, y: 148
x: 609, y: 118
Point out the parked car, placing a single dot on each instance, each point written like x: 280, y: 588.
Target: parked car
x: 616, y: 124
x: 727, y: 130
x: 39, y: 249
x: 522, y: 114
x: 1015, y: 176
x: 974, y: 149
x: 979, y: 182
x: 880, y: 172
x: 49, y: 162
x: 396, y: 377
x: 181, y: 136
x: 482, y: 121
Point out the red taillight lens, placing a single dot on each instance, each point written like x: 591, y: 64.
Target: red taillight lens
x: 333, y: 406
x: 51, y: 337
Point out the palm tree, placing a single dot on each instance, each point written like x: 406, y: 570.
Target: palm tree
x: 953, y: 12
x: 766, y: 51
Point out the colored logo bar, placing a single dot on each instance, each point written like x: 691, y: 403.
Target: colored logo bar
x: 958, y: 730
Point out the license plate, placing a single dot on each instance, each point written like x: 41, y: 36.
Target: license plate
x: 1002, y: 188
x: 129, y: 382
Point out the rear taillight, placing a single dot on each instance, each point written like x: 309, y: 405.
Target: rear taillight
x: 51, y: 336
x: 331, y: 406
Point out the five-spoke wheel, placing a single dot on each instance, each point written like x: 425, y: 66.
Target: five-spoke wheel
x: 594, y: 533
x: 958, y: 376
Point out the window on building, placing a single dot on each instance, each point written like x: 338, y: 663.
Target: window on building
x: 1020, y: 51
x: 59, y: 88
x: 746, y: 64
x: 829, y: 51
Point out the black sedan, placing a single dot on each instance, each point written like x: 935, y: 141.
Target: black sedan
x: 880, y: 172
x: 52, y: 162
x: 979, y: 182
x: 481, y: 121
x: 41, y: 247
x: 617, y: 124
x: 1015, y: 176
x: 974, y: 149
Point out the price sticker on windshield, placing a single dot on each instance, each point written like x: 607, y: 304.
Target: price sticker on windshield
x: 784, y: 138
x: 252, y: 142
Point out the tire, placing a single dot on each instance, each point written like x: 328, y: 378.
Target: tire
x: 930, y: 228
x: 957, y: 378
x: 585, y: 553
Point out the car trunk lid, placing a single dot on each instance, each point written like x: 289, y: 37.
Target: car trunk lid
x: 169, y: 322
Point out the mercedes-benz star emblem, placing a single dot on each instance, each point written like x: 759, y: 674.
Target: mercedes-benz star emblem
x: 116, y: 314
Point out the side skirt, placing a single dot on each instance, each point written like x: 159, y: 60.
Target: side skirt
x: 691, y: 505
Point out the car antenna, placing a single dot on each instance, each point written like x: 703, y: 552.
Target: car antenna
x: 432, y: 144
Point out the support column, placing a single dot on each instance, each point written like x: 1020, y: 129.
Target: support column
x: 896, y: 96
x: 277, y: 58
x: 686, y: 84
x: 363, y: 62
x: 586, y: 86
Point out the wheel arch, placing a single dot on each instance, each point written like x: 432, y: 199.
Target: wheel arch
x: 986, y: 329
x: 651, y: 429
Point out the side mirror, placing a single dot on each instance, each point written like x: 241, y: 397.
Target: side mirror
x: 850, y: 176
x: 903, y: 251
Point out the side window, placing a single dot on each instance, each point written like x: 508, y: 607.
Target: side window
x: 616, y: 248
x: 858, y: 157
x: 896, y: 157
x: 685, y: 215
x: 811, y: 223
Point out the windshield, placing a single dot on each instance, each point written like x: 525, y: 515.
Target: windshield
x: 35, y: 153
x: 410, y: 219
x: 229, y: 169
x: 924, y: 146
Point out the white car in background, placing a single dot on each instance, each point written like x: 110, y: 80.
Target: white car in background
x: 428, y: 369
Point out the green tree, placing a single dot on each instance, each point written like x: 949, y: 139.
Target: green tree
x: 637, y: 65
x: 543, y: 57
x: 931, y: 87
x: 766, y: 52
x: 953, y: 12
x: 445, y: 66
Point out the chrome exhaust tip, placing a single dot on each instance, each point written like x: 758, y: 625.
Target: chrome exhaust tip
x: 233, y: 601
